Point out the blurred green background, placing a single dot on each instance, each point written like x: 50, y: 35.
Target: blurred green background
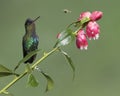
x: 97, y: 69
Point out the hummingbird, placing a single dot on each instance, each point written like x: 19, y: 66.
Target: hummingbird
x: 30, y: 39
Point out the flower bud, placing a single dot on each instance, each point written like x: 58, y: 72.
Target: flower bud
x: 92, y: 30
x: 96, y: 15
x: 81, y: 41
x: 84, y: 15
x: 58, y: 35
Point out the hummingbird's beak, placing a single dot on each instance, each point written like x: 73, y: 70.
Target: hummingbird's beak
x: 36, y: 19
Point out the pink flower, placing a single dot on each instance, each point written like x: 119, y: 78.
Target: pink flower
x: 92, y: 30
x: 96, y: 15
x: 84, y: 15
x: 81, y: 41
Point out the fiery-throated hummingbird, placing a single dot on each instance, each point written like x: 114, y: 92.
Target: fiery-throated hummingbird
x: 30, y: 39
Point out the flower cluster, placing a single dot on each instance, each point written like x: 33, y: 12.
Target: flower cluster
x: 92, y: 29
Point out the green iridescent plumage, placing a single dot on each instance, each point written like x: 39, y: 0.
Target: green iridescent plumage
x: 30, y: 40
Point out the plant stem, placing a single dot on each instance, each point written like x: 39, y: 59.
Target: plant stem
x: 26, y: 71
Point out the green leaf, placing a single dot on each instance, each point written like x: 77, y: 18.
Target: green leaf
x: 26, y: 58
x: 32, y: 81
x: 50, y: 82
x: 68, y: 58
x: 5, y: 71
x: 64, y: 38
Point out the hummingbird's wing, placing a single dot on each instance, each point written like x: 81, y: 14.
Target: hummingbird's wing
x: 24, y: 49
x: 29, y: 45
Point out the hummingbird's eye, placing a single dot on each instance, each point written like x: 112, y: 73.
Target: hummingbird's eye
x: 28, y: 22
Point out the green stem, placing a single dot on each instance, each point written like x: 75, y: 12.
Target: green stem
x: 77, y: 30
x: 75, y: 33
x: 26, y: 71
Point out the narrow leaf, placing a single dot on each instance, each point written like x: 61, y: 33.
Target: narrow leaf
x: 26, y: 58
x: 69, y: 61
x: 64, y: 38
x: 50, y: 82
x: 32, y: 81
x: 5, y: 71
